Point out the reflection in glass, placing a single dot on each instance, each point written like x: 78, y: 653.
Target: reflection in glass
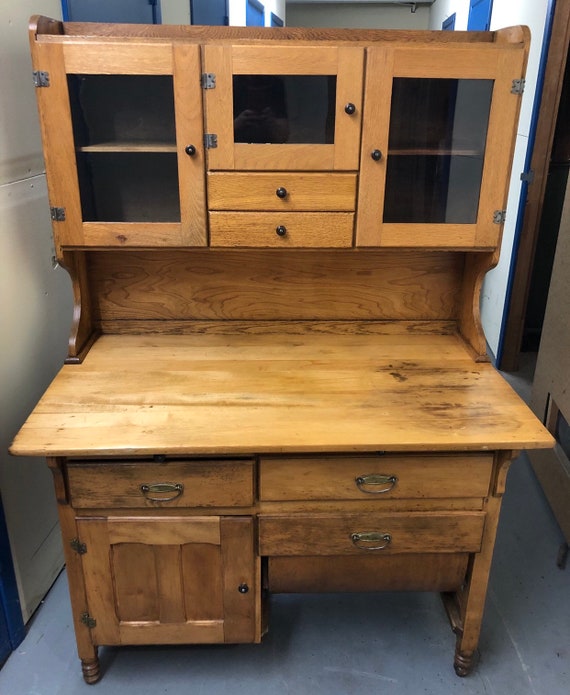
x: 124, y: 132
x: 284, y: 108
x: 436, y: 150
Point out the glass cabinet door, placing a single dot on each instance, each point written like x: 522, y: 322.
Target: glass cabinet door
x: 436, y: 154
x: 130, y: 147
x: 279, y: 108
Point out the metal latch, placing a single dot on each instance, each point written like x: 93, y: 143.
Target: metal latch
x: 499, y: 216
x: 41, y: 78
x: 79, y: 547
x: 527, y: 176
x: 210, y: 141
x: 86, y: 619
x: 518, y: 86
x: 208, y: 80
x: 57, y: 214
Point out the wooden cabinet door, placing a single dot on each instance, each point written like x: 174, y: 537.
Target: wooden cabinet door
x: 168, y: 580
x: 123, y: 139
x: 283, y: 107
x: 438, y: 136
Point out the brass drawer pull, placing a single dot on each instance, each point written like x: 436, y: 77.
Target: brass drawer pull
x: 151, y: 489
x: 371, y: 537
x: 380, y: 482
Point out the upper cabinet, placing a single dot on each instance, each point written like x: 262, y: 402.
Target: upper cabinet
x: 437, y: 144
x: 127, y: 167
x: 283, y: 107
x: 189, y: 136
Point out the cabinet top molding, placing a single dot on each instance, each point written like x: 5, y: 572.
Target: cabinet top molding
x: 45, y: 28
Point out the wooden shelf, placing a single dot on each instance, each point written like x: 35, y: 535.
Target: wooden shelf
x: 123, y: 147
x: 427, y: 152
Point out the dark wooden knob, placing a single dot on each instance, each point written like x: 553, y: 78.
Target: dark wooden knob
x: 281, y: 192
x: 350, y: 108
x: 281, y: 230
x: 243, y: 588
x: 376, y: 155
x: 190, y: 150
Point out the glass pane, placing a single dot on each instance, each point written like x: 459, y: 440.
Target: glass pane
x: 128, y: 187
x: 124, y: 131
x: 284, y: 108
x: 436, y: 149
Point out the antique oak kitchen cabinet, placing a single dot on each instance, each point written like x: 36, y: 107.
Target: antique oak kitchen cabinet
x: 277, y: 379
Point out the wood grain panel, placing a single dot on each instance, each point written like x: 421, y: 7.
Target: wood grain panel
x: 203, y: 582
x: 321, y: 534
x: 134, y: 582
x: 257, y: 191
x: 414, y: 572
x: 118, y: 484
x: 93, y: 58
x: 324, y: 478
x: 302, y: 229
x: 275, y: 285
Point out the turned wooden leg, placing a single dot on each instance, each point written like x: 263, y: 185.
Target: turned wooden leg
x: 91, y: 670
x: 463, y: 663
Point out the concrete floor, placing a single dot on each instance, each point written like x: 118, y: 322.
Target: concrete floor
x: 393, y: 643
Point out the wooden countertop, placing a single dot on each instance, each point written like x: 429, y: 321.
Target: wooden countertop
x: 252, y: 393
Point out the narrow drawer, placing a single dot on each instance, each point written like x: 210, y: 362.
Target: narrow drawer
x: 360, y: 534
x: 120, y: 484
x: 428, y: 476
x: 281, y: 191
x: 282, y: 229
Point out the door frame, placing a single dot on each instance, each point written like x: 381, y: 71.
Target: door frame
x: 547, y: 102
x: 12, y: 630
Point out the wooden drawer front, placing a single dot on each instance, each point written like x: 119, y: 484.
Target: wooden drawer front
x: 300, y: 229
x: 173, y: 484
x: 327, y: 534
x: 281, y: 191
x: 375, y: 477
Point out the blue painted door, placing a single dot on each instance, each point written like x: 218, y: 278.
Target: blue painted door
x: 479, y: 15
x: 12, y: 630
x: 254, y: 14
x: 123, y: 11
x: 209, y: 12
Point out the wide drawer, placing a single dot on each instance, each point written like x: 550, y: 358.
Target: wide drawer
x: 281, y: 191
x: 429, y: 476
x: 357, y: 534
x: 282, y: 229
x: 122, y: 484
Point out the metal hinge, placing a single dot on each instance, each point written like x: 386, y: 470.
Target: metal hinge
x: 528, y: 176
x: 86, y: 619
x: 518, y: 86
x: 210, y: 141
x: 41, y: 78
x: 79, y: 547
x: 499, y: 216
x: 57, y: 214
x: 208, y: 80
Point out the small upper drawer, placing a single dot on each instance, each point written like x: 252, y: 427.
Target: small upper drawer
x: 282, y: 229
x: 281, y: 191
x: 349, y: 534
x: 123, y: 484
x: 375, y: 477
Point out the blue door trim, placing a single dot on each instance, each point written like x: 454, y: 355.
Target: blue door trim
x: 9, y: 600
x: 524, y: 184
x: 449, y: 23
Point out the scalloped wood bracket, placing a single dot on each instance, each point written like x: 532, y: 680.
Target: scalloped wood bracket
x: 83, y: 333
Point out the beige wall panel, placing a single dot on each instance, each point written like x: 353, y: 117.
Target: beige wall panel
x: 20, y: 146
x: 34, y: 324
